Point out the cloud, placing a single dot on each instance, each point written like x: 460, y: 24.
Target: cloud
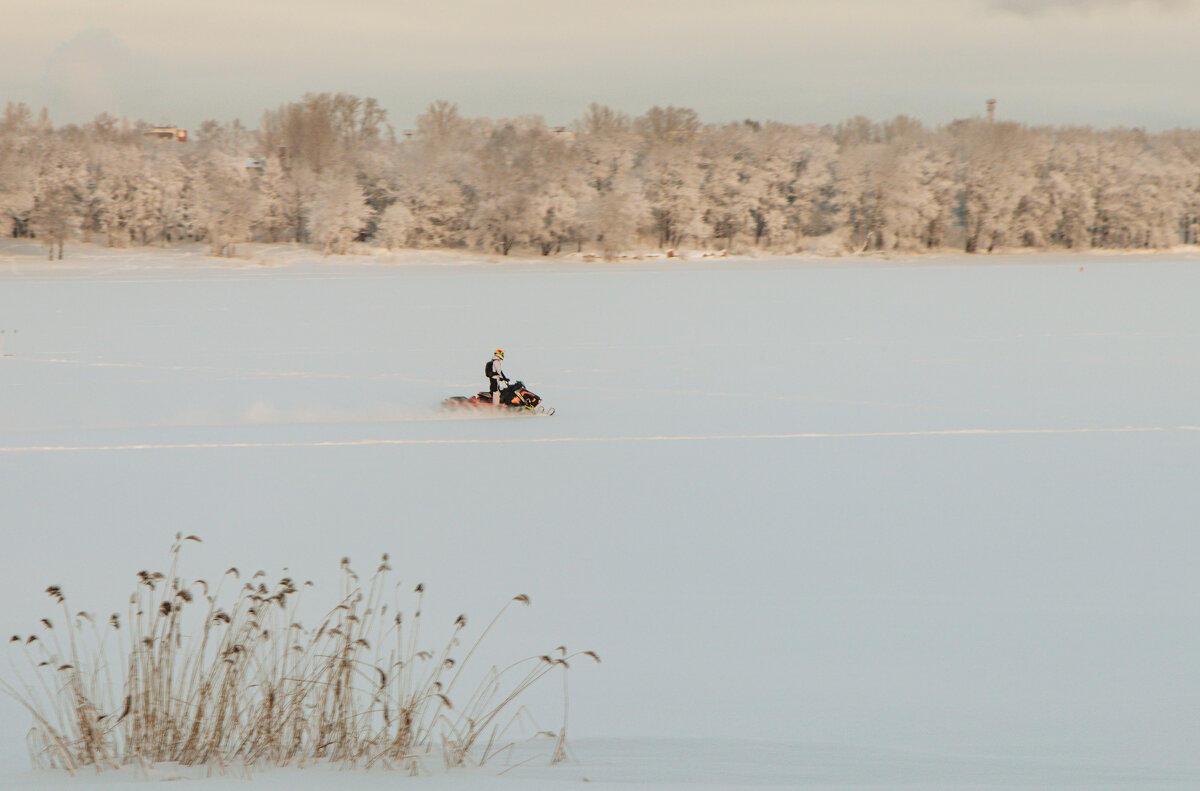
x: 86, y: 73
x: 97, y: 72
x: 1042, y: 7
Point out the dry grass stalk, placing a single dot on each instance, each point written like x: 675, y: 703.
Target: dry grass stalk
x: 199, y: 680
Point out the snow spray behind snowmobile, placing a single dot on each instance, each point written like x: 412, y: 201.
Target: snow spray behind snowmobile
x: 515, y: 398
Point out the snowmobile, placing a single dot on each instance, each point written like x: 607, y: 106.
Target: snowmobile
x: 513, y: 398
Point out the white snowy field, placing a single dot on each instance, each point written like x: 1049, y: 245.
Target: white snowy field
x: 829, y: 523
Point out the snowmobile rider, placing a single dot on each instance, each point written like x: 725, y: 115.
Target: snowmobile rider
x: 494, y: 371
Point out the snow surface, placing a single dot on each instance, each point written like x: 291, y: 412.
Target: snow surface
x: 830, y: 524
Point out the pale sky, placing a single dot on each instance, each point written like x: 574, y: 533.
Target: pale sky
x: 1095, y: 62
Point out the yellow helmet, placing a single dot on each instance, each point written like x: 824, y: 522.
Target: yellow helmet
x: 498, y: 353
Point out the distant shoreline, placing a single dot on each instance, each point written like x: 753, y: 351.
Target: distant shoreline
x: 30, y: 254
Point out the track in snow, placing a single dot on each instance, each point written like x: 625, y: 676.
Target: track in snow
x: 960, y: 432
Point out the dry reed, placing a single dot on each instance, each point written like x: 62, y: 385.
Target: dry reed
x: 219, y: 680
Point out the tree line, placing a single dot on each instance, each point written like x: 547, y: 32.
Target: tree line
x: 329, y: 171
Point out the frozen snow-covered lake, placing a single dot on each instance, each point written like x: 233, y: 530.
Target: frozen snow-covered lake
x: 828, y: 523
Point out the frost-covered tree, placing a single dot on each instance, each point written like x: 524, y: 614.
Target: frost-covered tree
x: 606, y: 148
x: 116, y: 185
x: 506, y: 213
x: 57, y: 200
x: 22, y: 139
x: 525, y: 196
x: 614, y: 218
x: 558, y: 189
x: 859, y: 194
x: 282, y: 204
x: 996, y: 177
x: 1061, y: 209
x: 611, y: 204
x: 395, y: 226
x: 671, y: 173
x: 312, y: 147
x: 226, y: 202
x: 434, y: 177
x: 338, y: 213
x: 557, y: 210
x: 323, y: 130
x: 729, y: 187
x: 610, y: 182
x: 1140, y: 193
x: 794, y: 179
x: 899, y: 189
